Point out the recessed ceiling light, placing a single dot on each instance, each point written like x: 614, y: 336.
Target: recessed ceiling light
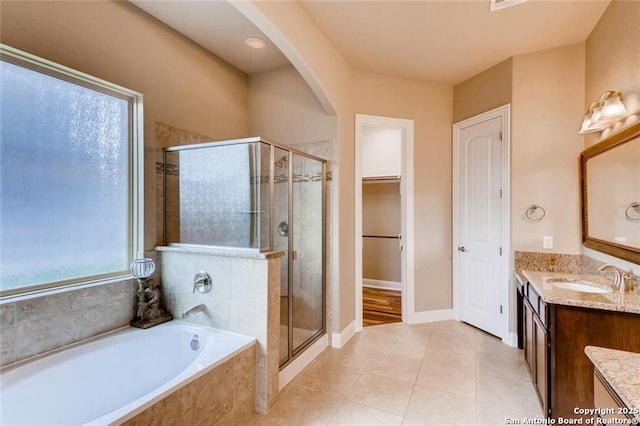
x: 501, y: 4
x: 255, y: 43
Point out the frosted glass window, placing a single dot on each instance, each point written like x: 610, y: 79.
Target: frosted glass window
x: 65, y: 180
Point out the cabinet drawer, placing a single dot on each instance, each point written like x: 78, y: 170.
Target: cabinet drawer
x: 543, y: 313
x: 533, y: 297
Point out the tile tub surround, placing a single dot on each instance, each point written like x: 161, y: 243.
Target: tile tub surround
x: 613, y: 301
x: 223, y: 396
x: 621, y: 370
x: 35, y: 324
x: 561, y: 262
x: 244, y: 298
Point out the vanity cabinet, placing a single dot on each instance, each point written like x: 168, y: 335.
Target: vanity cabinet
x: 536, y: 344
x: 608, y: 401
x: 555, y: 336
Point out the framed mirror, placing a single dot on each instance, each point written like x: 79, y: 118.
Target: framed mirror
x: 610, y: 180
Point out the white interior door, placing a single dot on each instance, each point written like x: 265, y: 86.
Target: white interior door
x: 480, y: 225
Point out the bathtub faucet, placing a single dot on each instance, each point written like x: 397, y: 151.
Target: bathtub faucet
x: 200, y: 308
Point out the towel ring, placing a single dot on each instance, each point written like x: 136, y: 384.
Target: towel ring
x: 634, y: 206
x: 531, y: 211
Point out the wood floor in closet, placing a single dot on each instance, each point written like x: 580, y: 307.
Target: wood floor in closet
x: 380, y: 306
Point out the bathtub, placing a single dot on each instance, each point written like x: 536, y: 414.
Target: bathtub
x: 107, y: 379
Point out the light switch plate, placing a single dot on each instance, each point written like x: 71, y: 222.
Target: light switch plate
x: 547, y: 242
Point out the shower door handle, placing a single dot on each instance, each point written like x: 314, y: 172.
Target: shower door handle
x: 294, y: 255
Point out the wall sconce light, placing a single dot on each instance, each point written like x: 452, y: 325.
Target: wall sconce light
x: 603, y: 113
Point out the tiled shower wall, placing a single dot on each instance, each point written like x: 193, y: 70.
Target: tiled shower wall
x: 39, y: 324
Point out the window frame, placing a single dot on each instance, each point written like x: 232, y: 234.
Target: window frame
x: 135, y: 163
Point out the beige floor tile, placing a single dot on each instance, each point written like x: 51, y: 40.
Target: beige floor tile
x: 496, y: 365
x: 462, y: 376
x: 452, y: 341
x: 388, y: 338
x: 415, y: 331
x: 428, y: 405
x: 264, y: 422
x: 503, y: 391
x: 453, y: 377
x: 487, y: 343
x: 411, y: 422
x: 355, y: 355
x: 394, y: 366
x: 451, y: 353
x: 381, y: 392
x: 352, y: 413
x: 490, y: 414
x: 400, y: 345
x: 333, y: 379
x: 454, y: 327
x: 303, y: 406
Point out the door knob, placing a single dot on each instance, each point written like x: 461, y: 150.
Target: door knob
x: 461, y: 248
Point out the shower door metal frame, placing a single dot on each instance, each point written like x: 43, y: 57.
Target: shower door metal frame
x: 292, y: 353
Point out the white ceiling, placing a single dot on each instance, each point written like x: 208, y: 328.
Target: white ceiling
x: 448, y: 41
x: 442, y: 41
x: 218, y: 27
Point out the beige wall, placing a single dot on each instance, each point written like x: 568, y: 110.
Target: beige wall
x: 430, y: 106
x: 547, y: 109
x: 613, y: 59
x: 183, y: 85
x: 381, y: 208
x: 329, y: 76
x: 482, y: 92
x: 285, y: 110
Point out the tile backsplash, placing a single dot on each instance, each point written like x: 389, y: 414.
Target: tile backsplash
x: 38, y: 324
x: 560, y: 262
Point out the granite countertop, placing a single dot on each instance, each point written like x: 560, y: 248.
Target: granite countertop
x: 621, y: 370
x: 613, y: 301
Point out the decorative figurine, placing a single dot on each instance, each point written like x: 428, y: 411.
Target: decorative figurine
x: 149, y: 312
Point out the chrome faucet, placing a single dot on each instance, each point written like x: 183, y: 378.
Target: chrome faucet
x: 199, y: 308
x: 621, y: 279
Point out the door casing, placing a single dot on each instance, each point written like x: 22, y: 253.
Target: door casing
x: 407, y: 226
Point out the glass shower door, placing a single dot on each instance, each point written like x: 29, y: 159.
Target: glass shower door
x: 307, y: 254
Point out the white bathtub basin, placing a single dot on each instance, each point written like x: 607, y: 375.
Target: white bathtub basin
x: 104, y: 379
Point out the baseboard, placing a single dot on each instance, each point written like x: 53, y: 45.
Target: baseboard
x: 511, y: 339
x: 431, y: 316
x: 297, y: 365
x: 381, y: 284
x: 338, y: 340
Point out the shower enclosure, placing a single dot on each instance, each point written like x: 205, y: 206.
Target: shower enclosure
x: 254, y: 195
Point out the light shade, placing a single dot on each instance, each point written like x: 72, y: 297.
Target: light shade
x: 142, y: 268
x: 590, y: 124
x: 613, y: 107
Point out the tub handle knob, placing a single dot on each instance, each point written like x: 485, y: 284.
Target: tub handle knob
x: 202, y: 282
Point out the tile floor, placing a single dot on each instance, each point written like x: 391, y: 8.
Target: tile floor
x: 444, y: 373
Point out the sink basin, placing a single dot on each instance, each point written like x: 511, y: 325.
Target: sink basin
x: 577, y: 285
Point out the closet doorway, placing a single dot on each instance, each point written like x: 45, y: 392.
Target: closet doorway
x: 384, y: 220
